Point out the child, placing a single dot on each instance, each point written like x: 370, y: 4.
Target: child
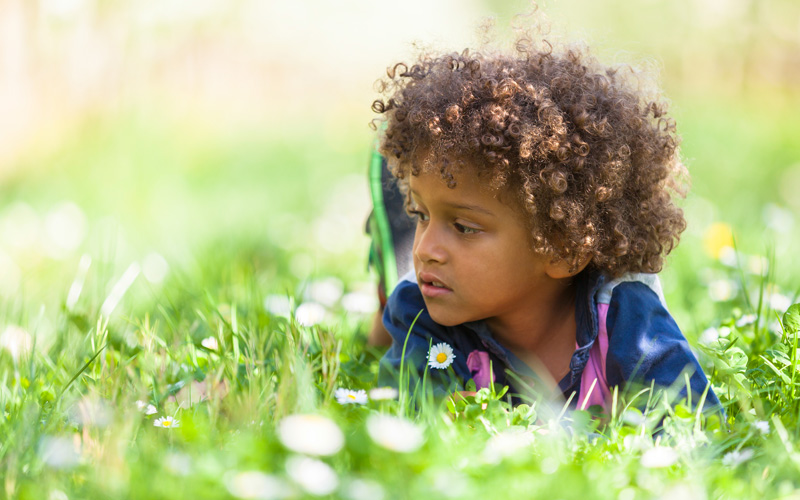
x: 541, y: 183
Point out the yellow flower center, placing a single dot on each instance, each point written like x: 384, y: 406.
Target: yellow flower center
x: 352, y: 396
x: 441, y: 357
x: 166, y: 423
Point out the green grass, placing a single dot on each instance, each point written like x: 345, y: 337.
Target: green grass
x: 72, y: 424
x: 242, y: 219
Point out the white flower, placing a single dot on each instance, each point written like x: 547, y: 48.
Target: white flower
x: 709, y: 336
x: 179, y: 464
x: 394, y: 433
x: 779, y: 302
x: 167, y: 422
x: 360, y: 302
x: 155, y: 268
x: 57, y: 495
x: 506, y: 444
x: 16, y: 341
x: 762, y: 426
x: 310, y: 313
x: 658, y: 457
x: 383, y: 393
x: 256, y: 485
x: 745, y: 320
x: 758, y: 265
x: 278, y: 305
x: 310, y: 434
x: 314, y: 476
x: 728, y: 256
x: 326, y: 291
x: 147, y: 409
x: 721, y: 290
x: 736, y: 457
x: 364, y: 489
x: 350, y: 397
x: 210, y: 343
x: 441, y: 356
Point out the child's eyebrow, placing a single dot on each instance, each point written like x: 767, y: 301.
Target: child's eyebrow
x: 460, y: 206
x: 474, y: 208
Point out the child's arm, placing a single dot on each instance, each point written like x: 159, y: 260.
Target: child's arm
x: 378, y: 336
x: 645, y: 344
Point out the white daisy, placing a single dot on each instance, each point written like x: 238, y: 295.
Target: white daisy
x: 394, y: 433
x: 350, y: 397
x: 383, y: 393
x: 762, y: 426
x: 364, y: 489
x: 147, y: 409
x: 167, y: 422
x: 747, y: 319
x: 310, y: 435
x: 17, y: 341
x: 507, y: 443
x: 210, y: 343
x: 256, y: 485
x: 659, y: 457
x: 314, y: 476
x: 737, y: 457
x: 441, y: 356
x: 310, y: 313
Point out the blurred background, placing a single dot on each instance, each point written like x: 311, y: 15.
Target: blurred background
x: 147, y: 141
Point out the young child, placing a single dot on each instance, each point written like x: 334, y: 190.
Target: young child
x: 541, y: 183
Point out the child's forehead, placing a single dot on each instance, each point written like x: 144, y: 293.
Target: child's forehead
x: 466, y: 184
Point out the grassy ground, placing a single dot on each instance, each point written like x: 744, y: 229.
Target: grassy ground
x: 221, y: 279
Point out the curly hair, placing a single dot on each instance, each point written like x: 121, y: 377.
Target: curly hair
x: 591, y: 159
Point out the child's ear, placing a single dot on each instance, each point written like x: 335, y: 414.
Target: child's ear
x: 560, y: 269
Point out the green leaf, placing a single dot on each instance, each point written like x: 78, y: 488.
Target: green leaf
x: 791, y: 319
x: 471, y: 387
x: 681, y: 411
x: 451, y: 406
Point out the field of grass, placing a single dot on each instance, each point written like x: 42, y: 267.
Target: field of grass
x: 184, y: 295
x: 235, y: 301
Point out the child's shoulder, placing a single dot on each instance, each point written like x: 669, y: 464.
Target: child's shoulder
x: 631, y: 283
x: 406, y: 296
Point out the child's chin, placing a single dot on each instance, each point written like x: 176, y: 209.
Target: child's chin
x: 444, y: 318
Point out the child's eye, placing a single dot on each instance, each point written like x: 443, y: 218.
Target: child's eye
x: 422, y: 217
x: 461, y: 228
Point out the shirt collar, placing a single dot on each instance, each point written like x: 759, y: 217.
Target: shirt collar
x: 587, y: 284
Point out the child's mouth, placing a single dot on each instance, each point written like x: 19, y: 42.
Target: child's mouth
x: 430, y: 286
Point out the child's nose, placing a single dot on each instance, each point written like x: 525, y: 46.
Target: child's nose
x: 429, y: 245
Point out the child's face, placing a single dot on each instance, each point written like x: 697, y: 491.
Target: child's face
x: 472, y: 252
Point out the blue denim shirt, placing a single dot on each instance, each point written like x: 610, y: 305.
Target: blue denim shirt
x: 645, y: 343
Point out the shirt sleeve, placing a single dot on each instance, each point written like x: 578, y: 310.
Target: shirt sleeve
x: 402, y: 307
x: 646, y: 345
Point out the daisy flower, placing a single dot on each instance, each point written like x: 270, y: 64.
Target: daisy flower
x: 147, y: 409
x: 210, y: 343
x: 310, y: 435
x: 395, y: 433
x: 762, y: 426
x: 441, y: 356
x: 383, y: 393
x: 350, y: 397
x: 167, y: 422
x: 736, y: 457
x: 256, y: 485
x: 659, y: 457
x: 314, y: 476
